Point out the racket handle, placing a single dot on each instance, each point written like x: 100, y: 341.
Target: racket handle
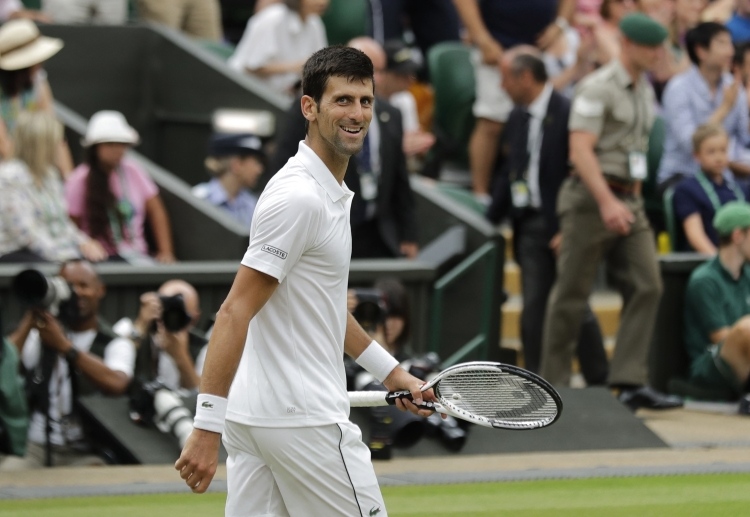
x: 382, y: 398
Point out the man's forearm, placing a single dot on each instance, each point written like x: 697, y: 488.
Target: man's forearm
x: 223, y: 354
x: 587, y: 166
x: 468, y: 11
x: 356, y: 340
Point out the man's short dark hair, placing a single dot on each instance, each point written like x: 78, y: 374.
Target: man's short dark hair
x: 701, y: 36
x: 533, y: 64
x: 334, y: 61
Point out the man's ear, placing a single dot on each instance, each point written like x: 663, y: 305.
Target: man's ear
x: 309, y: 108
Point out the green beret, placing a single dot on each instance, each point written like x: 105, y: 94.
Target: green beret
x: 733, y: 215
x: 643, y: 30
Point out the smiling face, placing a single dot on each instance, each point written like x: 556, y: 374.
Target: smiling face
x: 339, y: 122
x: 87, y: 286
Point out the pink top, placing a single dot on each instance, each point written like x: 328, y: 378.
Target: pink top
x: 128, y: 183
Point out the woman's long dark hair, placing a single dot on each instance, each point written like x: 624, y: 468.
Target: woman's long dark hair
x: 100, y: 201
x: 15, y: 82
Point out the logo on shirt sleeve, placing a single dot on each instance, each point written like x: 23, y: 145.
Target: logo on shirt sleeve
x: 274, y: 251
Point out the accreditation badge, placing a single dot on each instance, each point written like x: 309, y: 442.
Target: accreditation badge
x: 638, y: 165
x: 519, y: 194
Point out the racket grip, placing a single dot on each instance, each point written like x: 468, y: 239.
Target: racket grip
x: 395, y: 395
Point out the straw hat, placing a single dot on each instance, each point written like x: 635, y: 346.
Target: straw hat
x: 22, y: 46
x: 111, y: 127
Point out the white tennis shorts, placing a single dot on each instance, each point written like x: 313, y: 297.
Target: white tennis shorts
x: 300, y: 472
x: 491, y: 102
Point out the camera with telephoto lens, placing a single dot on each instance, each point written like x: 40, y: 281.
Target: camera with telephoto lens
x: 51, y: 293
x: 174, y: 315
x: 371, y: 309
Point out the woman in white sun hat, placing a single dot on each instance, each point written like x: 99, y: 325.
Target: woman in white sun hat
x: 23, y: 82
x: 111, y: 198
x: 34, y: 222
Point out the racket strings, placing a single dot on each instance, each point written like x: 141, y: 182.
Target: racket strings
x: 497, y: 395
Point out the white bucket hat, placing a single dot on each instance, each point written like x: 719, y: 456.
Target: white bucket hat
x: 22, y: 46
x: 111, y: 127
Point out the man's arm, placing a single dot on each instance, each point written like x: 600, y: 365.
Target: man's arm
x: 249, y: 293
x: 565, y: 11
x: 696, y: 234
x: 109, y: 381
x: 616, y: 215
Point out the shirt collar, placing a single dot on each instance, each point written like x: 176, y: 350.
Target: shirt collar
x: 321, y: 173
x: 538, y: 108
x: 623, y: 76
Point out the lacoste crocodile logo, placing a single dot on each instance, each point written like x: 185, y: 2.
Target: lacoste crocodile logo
x: 206, y: 404
x: 375, y: 510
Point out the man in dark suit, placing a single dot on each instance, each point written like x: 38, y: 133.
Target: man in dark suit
x: 382, y: 214
x: 532, y: 164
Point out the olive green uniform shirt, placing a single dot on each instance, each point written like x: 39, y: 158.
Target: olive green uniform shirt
x: 714, y: 300
x: 620, y: 113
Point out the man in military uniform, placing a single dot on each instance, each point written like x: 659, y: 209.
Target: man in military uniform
x: 602, y: 216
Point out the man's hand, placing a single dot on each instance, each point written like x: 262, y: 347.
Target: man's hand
x: 617, y: 216
x: 492, y: 51
x: 51, y: 332
x: 149, y: 312
x: 555, y: 242
x: 400, y: 379
x: 176, y: 344
x: 410, y: 250
x: 549, y: 36
x: 199, y: 459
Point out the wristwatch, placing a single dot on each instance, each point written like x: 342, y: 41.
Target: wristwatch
x: 72, y: 355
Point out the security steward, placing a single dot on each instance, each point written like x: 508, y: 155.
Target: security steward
x: 602, y: 217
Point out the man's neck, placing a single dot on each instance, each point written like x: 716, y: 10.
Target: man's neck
x: 716, y: 178
x: 84, y: 325
x: 732, y: 260
x: 633, y: 70
x: 535, y: 92
x: 711, y: 74
x: 336, y: 163
x: 231, y: 184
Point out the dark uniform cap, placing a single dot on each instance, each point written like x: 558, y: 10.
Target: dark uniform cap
x: 400, y: 58
x: 643, y: 30
x: 235, y: 145
x: 733, y: 215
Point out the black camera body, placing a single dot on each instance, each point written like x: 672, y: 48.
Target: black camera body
x: 51, y: 293
x: 174, y: 315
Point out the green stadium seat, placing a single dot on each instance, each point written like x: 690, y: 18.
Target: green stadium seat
x: 452, y: 78
x: 346, y: 19
x: 220, y: 49
x: 652, y: 201
x: 676, y: 237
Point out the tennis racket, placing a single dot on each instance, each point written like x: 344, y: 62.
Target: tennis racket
x: 484, y: 393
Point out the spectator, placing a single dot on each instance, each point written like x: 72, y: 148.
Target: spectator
x: 697, y: 198
x: 200, y: 19
x: 717, y: 327
x: 14, y: 9
x: 674, y: 59
x: 383, y: 219
x: 707, y: 93
x: 23, y: 82
x: 34, y: 224
x: 66, y: 357
x: 170, y: 349
x: 235, y: 163
x: 568, y: 59
x: 495, y: 25
x: 534, y: 151
x: 739, y: 24
x: 97, y: 12
x: 393, y: 84
x: 431, y: 22
x: 278, y: 40
x: 602, y: 216
x: 606, y: 32
x: 110, y: 197
x: 742, y: 65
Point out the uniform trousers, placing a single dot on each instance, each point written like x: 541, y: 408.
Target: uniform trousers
x: 538, y: 268
x: 632, y: 265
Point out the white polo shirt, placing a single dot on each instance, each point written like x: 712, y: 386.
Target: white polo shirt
x: 292, y: 372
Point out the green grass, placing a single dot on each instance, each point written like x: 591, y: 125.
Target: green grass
x: 668, y: 496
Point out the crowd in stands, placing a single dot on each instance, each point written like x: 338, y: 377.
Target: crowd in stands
x: 567, y: 95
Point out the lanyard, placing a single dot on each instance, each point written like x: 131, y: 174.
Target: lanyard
x: 710, y: 190
x: 640, y: 142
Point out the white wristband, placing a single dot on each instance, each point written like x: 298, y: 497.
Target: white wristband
x: 210, y: 412
x: 376, y: 360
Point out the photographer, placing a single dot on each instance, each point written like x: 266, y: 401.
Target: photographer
x: 169, y: 358
x: 65, y: 357
x: 164, y: 334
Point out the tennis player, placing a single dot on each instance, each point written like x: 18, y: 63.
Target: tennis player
x: 284, y: 327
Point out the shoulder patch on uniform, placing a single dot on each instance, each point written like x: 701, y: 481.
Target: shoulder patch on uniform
x: 274, y: 251
x: 588, y: 107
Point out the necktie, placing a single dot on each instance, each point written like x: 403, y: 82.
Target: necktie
x: 520, y: 155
